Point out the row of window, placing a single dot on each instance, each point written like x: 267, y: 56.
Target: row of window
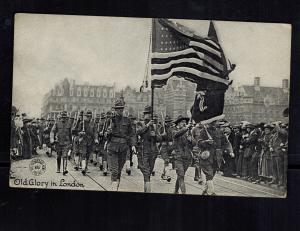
x: 91, y: 93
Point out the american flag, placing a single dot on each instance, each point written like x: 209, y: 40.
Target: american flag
x: 177, y: 51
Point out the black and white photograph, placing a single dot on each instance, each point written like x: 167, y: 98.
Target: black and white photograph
x: 150, y: 105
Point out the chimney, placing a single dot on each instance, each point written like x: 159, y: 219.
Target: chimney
x: 257, y: 83
x: 285, y: 84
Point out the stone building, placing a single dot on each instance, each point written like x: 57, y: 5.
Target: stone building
x: 69, y: 96
x: 256, y: 103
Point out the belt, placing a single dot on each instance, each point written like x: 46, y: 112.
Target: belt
x: 118, y: 140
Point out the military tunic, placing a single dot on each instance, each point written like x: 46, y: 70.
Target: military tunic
x: 166, y: 143
x: 120, y: 138
x: 209, y: 166
x: 149, y: 137
x: 182, y: 150
x: 62, y: 131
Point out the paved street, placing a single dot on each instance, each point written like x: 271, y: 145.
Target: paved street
x: 94, y: 180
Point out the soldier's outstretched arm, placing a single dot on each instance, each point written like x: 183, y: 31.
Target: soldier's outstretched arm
x: 178, y: 133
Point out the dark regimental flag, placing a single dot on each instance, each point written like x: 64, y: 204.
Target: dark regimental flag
x: 178, y: 51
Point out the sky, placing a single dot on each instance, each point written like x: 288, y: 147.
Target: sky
x: 108, y: 50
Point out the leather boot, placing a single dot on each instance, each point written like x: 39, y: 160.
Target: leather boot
x: 58, y: 163
x: 147, y: 187
x: 114, y: 186
x: 210, y: 187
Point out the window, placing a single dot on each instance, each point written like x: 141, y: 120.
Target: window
x: 71, y: 91
x: 85, y: 92
x: 92, y: 92
x: 78, y: 91
x: 98, y: 92
x: 111, y: 94
x: 104, y: 93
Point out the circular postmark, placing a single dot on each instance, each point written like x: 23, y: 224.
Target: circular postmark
x: 37, y: 167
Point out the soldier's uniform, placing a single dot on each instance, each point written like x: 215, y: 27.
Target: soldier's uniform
x: 61, y: 134
x: 196, y: 131
x: 130, y: 153
x: 101, y: 139
x: 149, y: 136
x: 182, y: 152
x: 211, y: 142
x: 96, y: 146
x: 120, y: 138
x: 166, y: 147
x: 84, y: 141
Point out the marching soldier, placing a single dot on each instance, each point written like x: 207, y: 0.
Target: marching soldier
x: 61, y: 134
x: 76, y: 140
x: 182, y: 151
x: 196, y: 131
x: 149, y: 136
x: 120, y: 138
x: 130, y: 153
x: 84, y: 141
x: 211, y: 142
x: 100, y: 139
x: 96, y: 146
x: 166, y: 148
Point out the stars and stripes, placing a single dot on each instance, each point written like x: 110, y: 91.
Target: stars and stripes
x: 177, y: 51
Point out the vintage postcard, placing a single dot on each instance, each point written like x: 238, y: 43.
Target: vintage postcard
x: 151, y: 105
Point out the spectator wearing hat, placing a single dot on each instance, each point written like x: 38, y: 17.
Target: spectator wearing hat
x: 120, y: 138
x: 254, y: 162
x: 236, y: 145
x: 34, y: 137
x: 240, y: 166
x: 166, y: 148
x: 277, y: 142
x: 250, y: 143
x: 149, y: 136
x: 182, y: 151
x: 266, y: 159
x: 27, y: 141
x: 61, y: 135
x: 46, y: 138
x: 229, y: 161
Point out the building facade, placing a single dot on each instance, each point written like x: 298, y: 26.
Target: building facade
x: 254, y: 103
x: 72, y: 98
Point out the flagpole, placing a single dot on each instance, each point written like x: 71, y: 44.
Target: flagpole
x: 152, y: 100
x: 149, y: 61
